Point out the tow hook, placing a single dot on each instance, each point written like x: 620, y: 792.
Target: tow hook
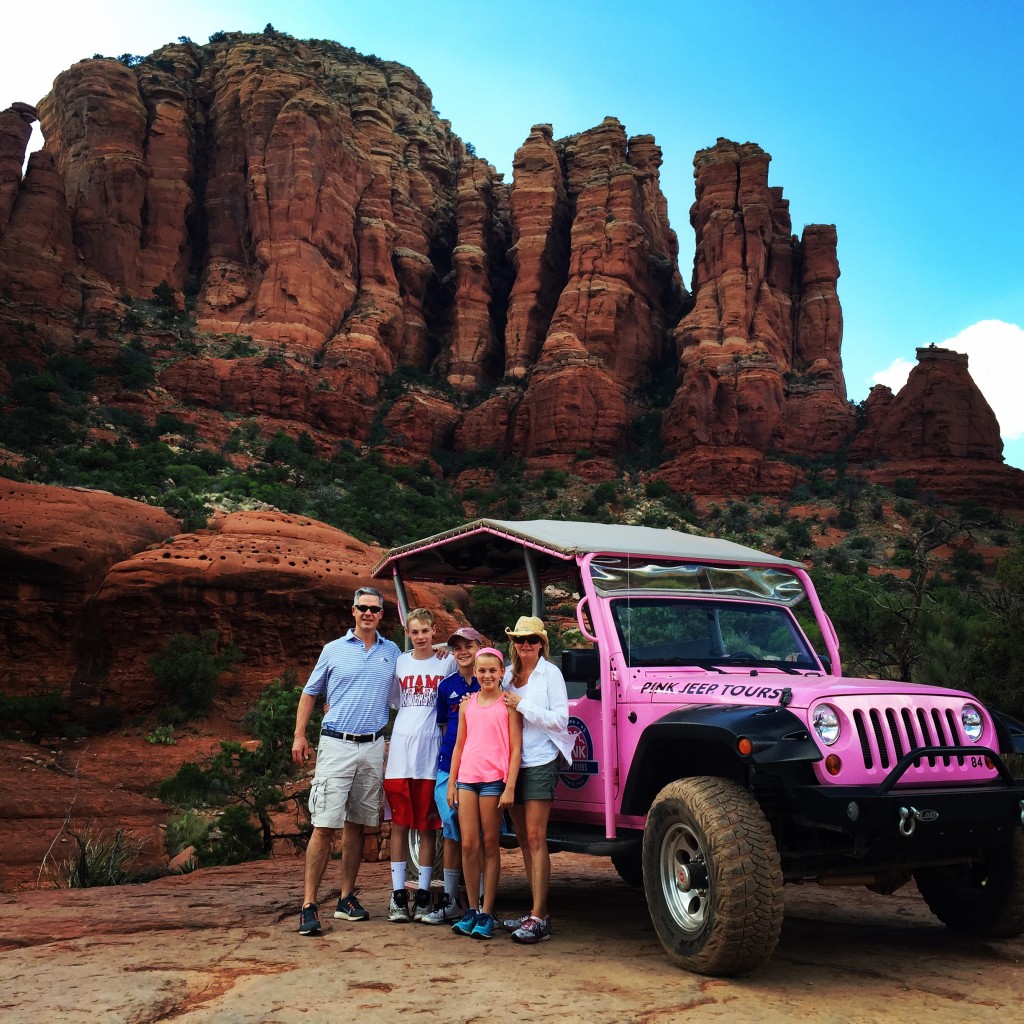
x: 908, y: 821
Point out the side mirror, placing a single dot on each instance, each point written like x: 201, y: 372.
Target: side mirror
x: 581, y: 668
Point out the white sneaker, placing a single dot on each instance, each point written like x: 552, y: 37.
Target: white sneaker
x: 449, y: 910
x: 398, y: 908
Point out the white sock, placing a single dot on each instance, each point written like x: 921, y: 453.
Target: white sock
x: 425, y: 876
x: 397, y: 874
x: 451, y: 882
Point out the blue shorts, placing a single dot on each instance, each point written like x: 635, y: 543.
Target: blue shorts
x: 449, y: 815
x: 483, y: 788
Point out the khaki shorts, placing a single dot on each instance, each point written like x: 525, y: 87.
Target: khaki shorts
x: 537, y: 783
x: 347, y: 784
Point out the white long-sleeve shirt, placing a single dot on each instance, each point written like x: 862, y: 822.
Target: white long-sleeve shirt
x: 544, y: 706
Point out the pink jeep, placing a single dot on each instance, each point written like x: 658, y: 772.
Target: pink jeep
x: 718, y: 755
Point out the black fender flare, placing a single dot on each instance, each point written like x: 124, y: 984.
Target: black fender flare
x: 776, y: 735
x: 1010, y: 733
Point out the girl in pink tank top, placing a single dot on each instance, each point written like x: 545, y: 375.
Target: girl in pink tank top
x: 485, y: 765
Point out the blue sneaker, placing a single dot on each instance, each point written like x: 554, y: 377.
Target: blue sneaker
x: 465, y: 924
x: 350, y: 909
x: 484, y: 927
x: 309, y: 920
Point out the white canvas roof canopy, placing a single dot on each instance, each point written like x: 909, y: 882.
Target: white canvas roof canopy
x: 532, y: 552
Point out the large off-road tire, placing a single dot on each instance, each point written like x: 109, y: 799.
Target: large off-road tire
x: 630, y: 868
x: 712, y: 877
x: 985, y: 898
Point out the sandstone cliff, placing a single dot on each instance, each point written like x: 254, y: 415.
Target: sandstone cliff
x: 94, y: 585
x: 56, y: 545
x: 309, y: 203
x: 759, y: 355
x: 939, y: 432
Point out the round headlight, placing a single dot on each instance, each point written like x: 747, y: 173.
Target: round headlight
x: 826, y: 724
x: 970, y: 717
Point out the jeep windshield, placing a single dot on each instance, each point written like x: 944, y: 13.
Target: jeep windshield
x: 662, y: 631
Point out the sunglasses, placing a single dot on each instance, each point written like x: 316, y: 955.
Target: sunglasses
x: 531, y: 640
x: 371, y: 608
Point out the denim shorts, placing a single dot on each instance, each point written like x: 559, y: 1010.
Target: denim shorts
x: 449, y: 815
x: 483, y: 788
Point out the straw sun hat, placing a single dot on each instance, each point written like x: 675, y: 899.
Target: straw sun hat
x: 528, y: 625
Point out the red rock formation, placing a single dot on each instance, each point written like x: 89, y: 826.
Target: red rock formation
x: 93, y: 585
x: 938, y: 413
x: 311, y: 199
x: 478, y: 258
x: 278, y: 388
x: 490, y: 425
x: 37, y: 258
x: 939, y: 432
x: 728, y: 469
x: 759, y: 356
x: 423, y: 422
x: 540, y: 252
x: 15, y: 131
x: 56, y: 544
x: 277, y: 586
x: 609, y: 330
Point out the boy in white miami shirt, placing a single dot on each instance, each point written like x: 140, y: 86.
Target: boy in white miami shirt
x: 412, y: 763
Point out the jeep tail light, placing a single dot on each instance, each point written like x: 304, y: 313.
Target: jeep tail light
x: 970, y: 718
x: 826, y: 723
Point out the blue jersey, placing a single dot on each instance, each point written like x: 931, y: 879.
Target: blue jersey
x: 450, y: 692
x: 357, y: 683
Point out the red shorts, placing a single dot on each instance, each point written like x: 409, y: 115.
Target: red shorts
x: 412, y: 803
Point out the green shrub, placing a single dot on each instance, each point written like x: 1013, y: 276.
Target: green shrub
x: 246, y: 782
x: 187, y: 670
x: 104, y: 857
x: 187, y: 829
x: 35, y: 715
x: 162, y: 734
x: 234, y: 838
x: 491, y: 609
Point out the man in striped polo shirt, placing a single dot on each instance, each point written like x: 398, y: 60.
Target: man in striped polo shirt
x: 356, y: 677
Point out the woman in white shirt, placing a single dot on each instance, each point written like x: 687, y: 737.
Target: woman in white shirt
x: 535, y: 688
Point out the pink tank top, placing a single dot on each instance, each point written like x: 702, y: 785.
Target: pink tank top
x: 486, y: 753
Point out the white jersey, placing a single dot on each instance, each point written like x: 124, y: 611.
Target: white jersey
x: 416, y: 738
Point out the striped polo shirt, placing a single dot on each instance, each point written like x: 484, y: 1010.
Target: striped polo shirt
x: 357, y: 683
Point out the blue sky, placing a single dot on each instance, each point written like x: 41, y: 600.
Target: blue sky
x: 900, y: 121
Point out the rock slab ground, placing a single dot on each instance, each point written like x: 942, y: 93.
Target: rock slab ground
x: 221, y: 945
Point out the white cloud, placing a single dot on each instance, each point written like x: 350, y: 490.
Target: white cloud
x: 995, y: 352
x: 894, y: 375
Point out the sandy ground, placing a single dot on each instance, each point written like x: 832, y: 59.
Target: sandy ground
x: 221, y: 945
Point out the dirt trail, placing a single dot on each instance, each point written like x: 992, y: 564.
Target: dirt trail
x: 220, y: 945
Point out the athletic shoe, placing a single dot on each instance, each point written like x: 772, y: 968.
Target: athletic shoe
x: 350, y: 909
x: 309, y: 920
x: 465, y: 924
x: 398, y: 908
x: 449, y: 910
x: 422, y: 905
x: 533, y: 929
x: 511, y: 924
x: 484, y: 927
